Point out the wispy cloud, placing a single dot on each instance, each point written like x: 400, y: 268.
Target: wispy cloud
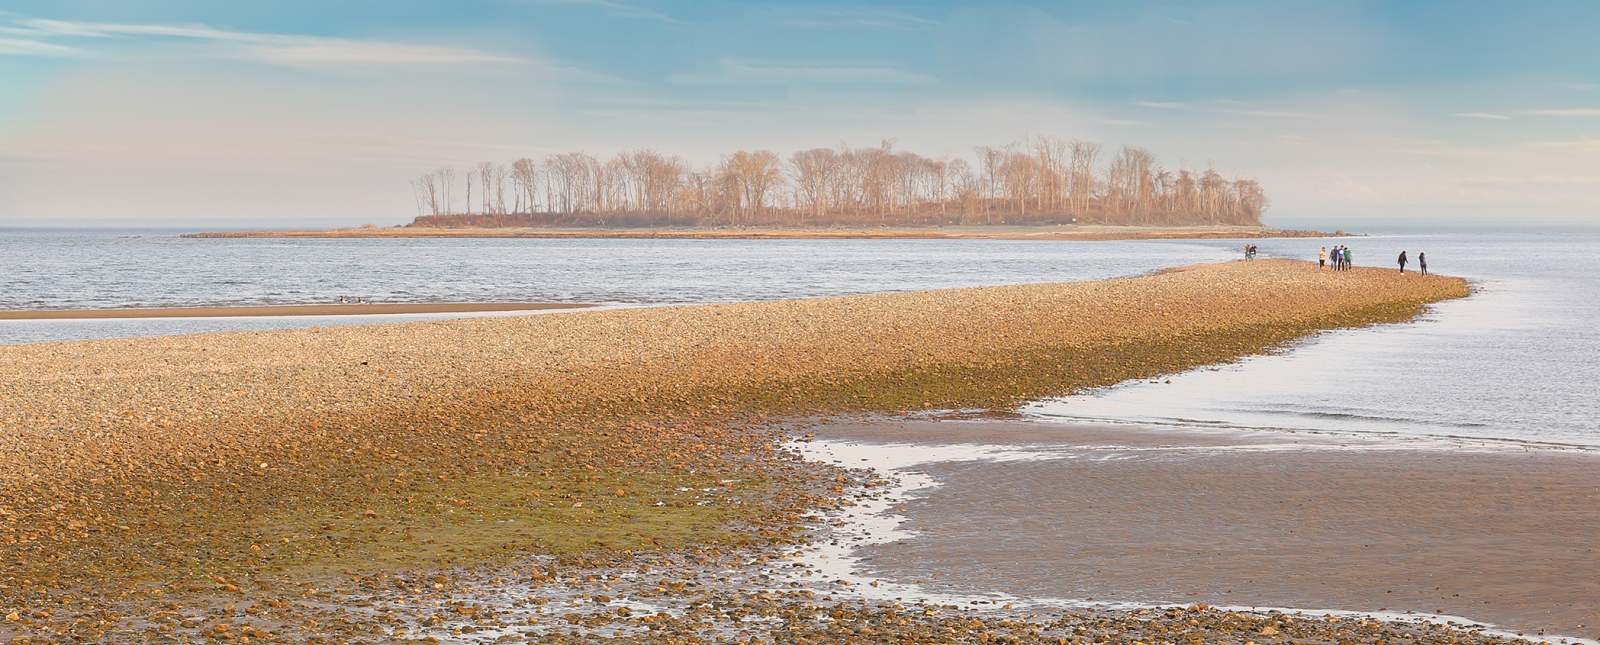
x: 1582, y: 144
x: 1164, y: 106
x: 732, y: 71
x: 1483, y: 115
x: 1121, y: 122
x: 1544, y: 180
x: 277, y: 49
x: 619, y: 10
x: 1582, y: 112
x: 887, y: 20
x: 1296, y: 115
x: 23, y: 47
x: 1449, y: 152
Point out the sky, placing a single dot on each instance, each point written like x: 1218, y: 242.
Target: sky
x: 1380, y: 115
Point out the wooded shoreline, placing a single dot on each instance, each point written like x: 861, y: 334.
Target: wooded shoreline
x: 1059, y: 233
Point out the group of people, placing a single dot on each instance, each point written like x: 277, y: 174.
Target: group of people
x: 1422, y: 262
x: 345, y: 301
x: 1339, y: 258
x: 1249, y: 251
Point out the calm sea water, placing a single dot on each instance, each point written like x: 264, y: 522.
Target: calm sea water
x: 1518, y: 361
x: 103, y: 270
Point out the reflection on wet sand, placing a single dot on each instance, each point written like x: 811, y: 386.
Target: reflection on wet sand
x: 1496, y: 534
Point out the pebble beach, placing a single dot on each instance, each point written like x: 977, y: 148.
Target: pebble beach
x: 161, y: 488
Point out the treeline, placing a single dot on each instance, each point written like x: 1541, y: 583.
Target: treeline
x: 1038, y: 180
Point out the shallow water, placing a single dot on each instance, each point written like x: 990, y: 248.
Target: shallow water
x: 109, y: 269
x: 1519, y: 360
x: 1037, y: 514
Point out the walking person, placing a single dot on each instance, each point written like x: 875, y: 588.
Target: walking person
x: 1422, y: 262
x: 1348, y: 262
x: 1322, y: 258
x: 1402, y: 261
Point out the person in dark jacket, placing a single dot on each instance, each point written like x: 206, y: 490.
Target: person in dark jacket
x: 1402, y: 261
x: 1422, y: 262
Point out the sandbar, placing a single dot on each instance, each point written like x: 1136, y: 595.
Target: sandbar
x: 255, y: 468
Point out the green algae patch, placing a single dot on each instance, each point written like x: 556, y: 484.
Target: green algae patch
x: 490, y: 518
x: 564, y: 487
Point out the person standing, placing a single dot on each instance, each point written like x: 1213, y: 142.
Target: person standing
x: 1422, y: 262
x: 1322, y: 258
x: 1402, y: 261
x: 1348, y: 262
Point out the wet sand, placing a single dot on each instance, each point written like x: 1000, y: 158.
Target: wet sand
x: 287, y: 310
x: 1501, y: 535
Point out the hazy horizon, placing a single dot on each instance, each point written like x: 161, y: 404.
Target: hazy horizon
x: 1361, y: 116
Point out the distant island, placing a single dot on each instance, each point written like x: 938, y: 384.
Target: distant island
x: 998, y: 232
x: 1040, y: 187
x: 1038, y: 180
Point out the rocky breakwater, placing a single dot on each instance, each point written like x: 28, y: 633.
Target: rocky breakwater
x: 223, y: 469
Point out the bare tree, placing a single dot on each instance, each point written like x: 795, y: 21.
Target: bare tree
x: 1081, y: 175
x: 753, y: 174
x: 447, y: 180
x: 525, y: 176
x: 425, y: 190
x: 815, y: 173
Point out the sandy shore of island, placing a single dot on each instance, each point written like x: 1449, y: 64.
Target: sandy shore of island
x: 1060, y: 233
x: 285, y: 310
x: 224, y: 468
x: 1492, y: 533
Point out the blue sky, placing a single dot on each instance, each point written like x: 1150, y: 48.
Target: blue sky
x: 1356, y: 115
